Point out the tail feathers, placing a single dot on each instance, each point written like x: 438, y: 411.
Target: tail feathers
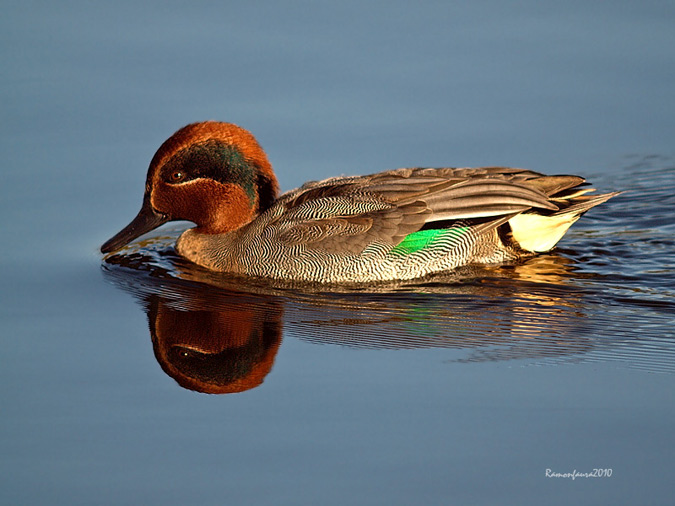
x: 539, y: 232
x: 580, y: 204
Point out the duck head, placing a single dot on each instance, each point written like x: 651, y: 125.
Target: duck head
x: 213, y: 174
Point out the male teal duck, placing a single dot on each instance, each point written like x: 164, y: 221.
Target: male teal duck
x: 395, y: 225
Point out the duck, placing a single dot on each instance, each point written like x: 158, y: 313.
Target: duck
x: 395, y: 225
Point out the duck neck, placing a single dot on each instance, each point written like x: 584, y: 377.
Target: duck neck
x: 212, y: 251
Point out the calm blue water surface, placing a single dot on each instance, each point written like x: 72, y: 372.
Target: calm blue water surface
x: 464, y: 390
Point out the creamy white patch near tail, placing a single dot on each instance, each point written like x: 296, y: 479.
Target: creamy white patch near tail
x: 538, y: 233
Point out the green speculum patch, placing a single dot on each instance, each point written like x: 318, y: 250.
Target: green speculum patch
x: 422, y: 239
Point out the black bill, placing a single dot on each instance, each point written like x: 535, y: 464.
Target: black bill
x: 146, y: 220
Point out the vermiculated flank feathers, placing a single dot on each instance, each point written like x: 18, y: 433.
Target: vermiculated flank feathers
x: 345, y: 215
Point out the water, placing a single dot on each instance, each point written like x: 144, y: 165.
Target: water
x: 459, y: 390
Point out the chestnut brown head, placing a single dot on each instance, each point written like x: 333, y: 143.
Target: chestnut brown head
x: 213, y: 174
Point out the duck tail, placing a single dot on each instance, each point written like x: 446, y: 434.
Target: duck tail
x: 539, y: 231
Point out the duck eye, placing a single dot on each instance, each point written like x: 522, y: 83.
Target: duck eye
x: 177, y: 176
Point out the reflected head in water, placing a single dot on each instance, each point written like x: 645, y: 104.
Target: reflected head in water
x: 214, y: 351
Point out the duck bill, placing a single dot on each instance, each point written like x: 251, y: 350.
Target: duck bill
x: 147, y: 219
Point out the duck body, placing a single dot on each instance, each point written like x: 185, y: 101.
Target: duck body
x: 395, y: 225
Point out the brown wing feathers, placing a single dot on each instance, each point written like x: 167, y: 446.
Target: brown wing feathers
x: 348, y: 214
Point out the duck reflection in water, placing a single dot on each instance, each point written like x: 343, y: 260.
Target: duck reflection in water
x: 215, y: 352
x: 213, y: 334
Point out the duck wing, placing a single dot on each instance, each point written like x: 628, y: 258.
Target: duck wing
x: 345, y: 215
